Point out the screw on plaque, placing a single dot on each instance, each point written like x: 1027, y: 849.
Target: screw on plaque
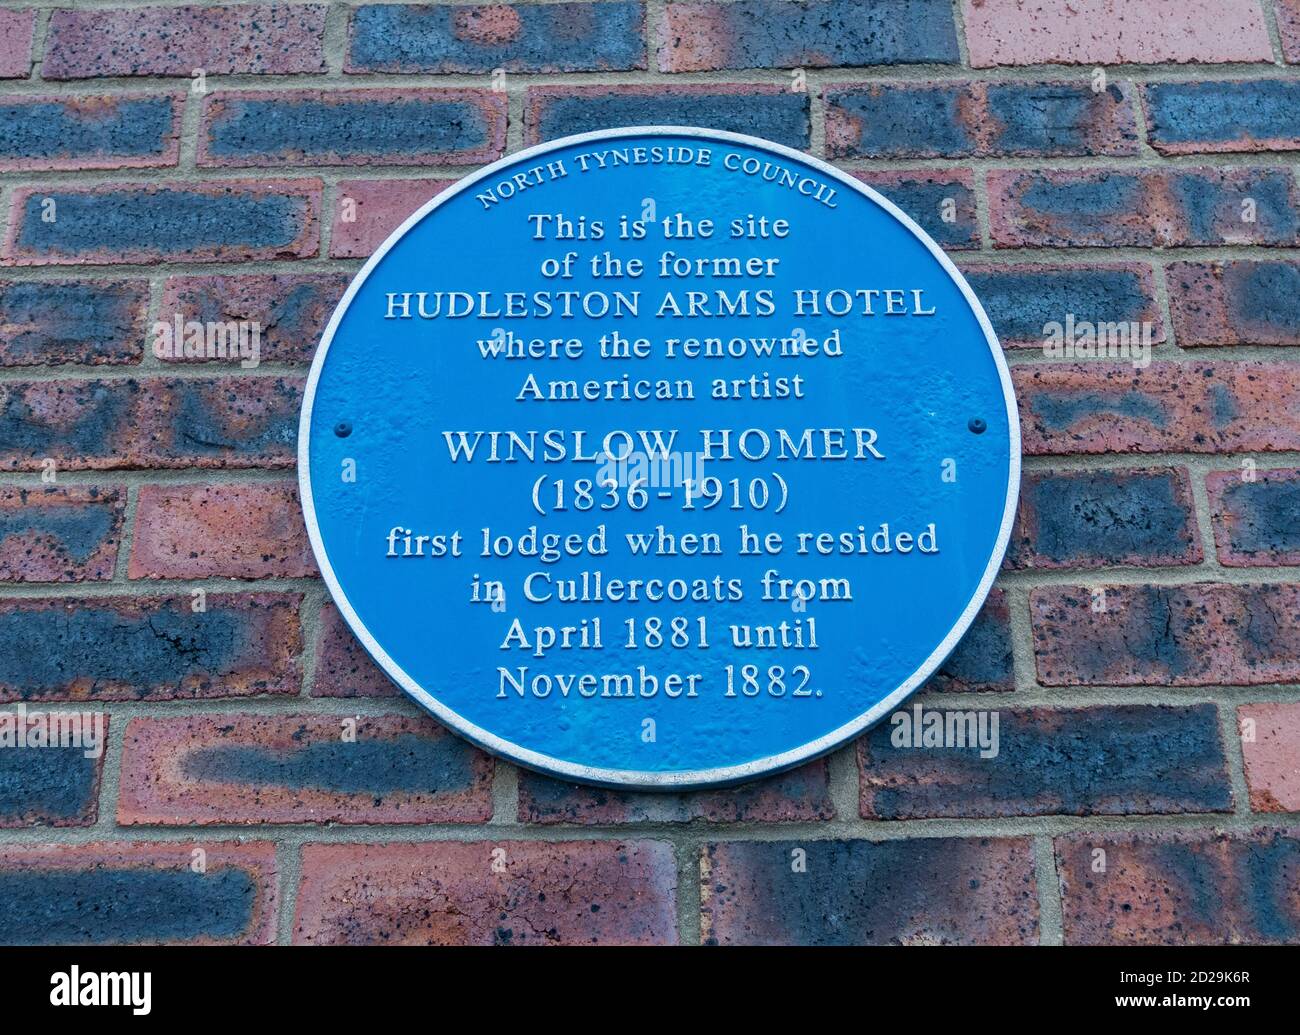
x: 977, y: 425
x: 343, y: 429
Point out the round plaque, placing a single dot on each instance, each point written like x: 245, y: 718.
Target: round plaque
x: 659, y: 457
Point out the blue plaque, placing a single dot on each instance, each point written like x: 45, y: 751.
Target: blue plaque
x: 659, y: 457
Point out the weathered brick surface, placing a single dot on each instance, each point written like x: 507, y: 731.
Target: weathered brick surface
x: 352, y: 127
x: 1242, y: 302
x: 1143, y: 208
x: 177, y: 232
x: 1049, y: 761
x: 150, y: 648
x: 921, y: 891
x: 230, y: 40
x: 1113, y: 32
x: 703, y: 35
x: 770, y: 111
x: 343, y: 668
x: 46, y: 780
x: 221, y: 221
x: 238, y: 531
x: 983, y: 659
x: 72, y: 321
x: 118, y: 131
x: 1270, y: 746
x: 563, y: 37
x: 977, y: 119
x: 1224, y: 115
x: 119, y: 893
x: 1024, y: 300
x: 1200, y: 408
x: 1203, y: 634
x: 1095, y: 519
x: 51, y: 534
x: 1183, y: 888
x: 1288, y: 26
x: 233, y: 422
x: 16, y: 31
x: 1256, y: 516
x: 289, y: 309
x: 300, y: 769
x: 488, y: 893
x: 941, y: 201
x: 367, y: 211
x: 801, y: 794
x: 76, y: 424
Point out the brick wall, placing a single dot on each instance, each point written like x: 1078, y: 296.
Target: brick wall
x: 1118, y: 160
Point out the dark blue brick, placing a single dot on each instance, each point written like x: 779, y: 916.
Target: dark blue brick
x: 1072, y: 519
x: 1070, y: 761
x: 1022, y: 300
x: 563, y: 37
x: 772, y: 113
x: 813, y: 34
x: 349, y: 128
x: 72, y: 321
x: 408, y: 763
x: 1238, y: 115
x: 87, y: 132
x: 57, y: 786
x: 134, y: 223
x: 983, y: 659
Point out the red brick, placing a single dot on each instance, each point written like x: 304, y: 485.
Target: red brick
x: 796, y: 795
x: 488, y: 893
x: 50, y: 534
x: 378, y: 207
x: 248, y: 769
x: 231, y: 422
x: 1114, y: 32
x: 1239, y: 302
x: 1116, y: 516
x: 1127, y: 760
x: 1270, y: 745
x: 1165, y: 407
x: 914, y: 891
x: 960, y: 119
x: 249, y: 531
x: 343, y: 668
x: 1255, y: 516
x: 1204, y: 634
x: 220, y: 221
x: 194, y: 893
x: 1288, y: 26
x: 1180, y: 888
x: 1142, y: 208
x: 352, y: 127
x: 111, y: 131
x: 53, y: 322
x: 289, y: 309
x: 238, y: 39
x: 150, y: 648
x: 16, y: 30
